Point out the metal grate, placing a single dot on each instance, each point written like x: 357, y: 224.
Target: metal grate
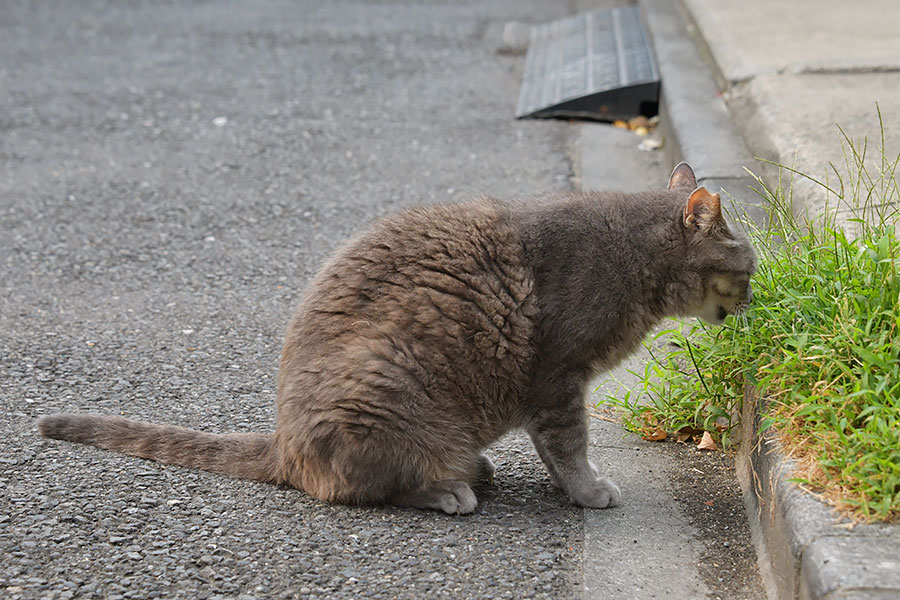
x: 596, y: 65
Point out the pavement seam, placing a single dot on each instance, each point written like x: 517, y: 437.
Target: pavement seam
x: 788, y: 523
x: 694, y: 111
x: 694, y: 118
x: 706, y: 54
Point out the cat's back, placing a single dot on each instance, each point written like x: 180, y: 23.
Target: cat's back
x: 427, y: 257
x: 442, y: 292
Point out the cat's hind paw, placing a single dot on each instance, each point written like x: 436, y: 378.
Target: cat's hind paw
x: 452, y: 497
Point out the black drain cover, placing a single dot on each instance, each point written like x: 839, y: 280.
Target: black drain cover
x: 594, y: 65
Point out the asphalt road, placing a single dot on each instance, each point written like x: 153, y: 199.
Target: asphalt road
x: 170, y: 177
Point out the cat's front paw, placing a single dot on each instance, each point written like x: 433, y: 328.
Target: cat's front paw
x: 598, y: 493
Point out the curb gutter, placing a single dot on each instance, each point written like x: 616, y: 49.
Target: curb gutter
x: 694, y: 120
x: 804, y: 550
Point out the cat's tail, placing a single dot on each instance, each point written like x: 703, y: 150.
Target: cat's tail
x: 246, y: 455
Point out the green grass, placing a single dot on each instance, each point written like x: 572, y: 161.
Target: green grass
x: 821, y: 343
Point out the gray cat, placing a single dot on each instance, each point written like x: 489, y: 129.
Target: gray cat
x: 440, y: 329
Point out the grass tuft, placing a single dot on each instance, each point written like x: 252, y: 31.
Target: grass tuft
x: 821, y: 342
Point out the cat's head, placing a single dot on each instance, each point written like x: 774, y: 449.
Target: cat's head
x: 720, y: 258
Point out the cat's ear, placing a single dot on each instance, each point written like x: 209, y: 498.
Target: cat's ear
x: 702, y: 210
x: 682, y: 177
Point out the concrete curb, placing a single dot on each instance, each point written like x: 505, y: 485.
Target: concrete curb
x: 694, y: 121
x: 804, y: 551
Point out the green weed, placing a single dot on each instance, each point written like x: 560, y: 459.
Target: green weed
x: 821, y: 342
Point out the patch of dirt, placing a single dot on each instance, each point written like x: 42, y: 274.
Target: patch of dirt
x: 708, y: 491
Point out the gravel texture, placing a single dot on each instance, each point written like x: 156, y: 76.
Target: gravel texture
x: 171, y: 176
x: 89, y: 524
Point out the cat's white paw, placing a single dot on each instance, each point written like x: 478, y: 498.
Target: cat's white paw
x: 451, y: 496
x: 458, y: 499
x: 599, y: 493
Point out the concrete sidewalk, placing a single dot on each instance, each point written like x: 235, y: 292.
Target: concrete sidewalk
x: 792, y: 72
x: 774, y: 80
x: 682, y: 511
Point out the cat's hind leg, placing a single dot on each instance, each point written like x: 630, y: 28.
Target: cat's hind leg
x: 377, y: 435
x: 451, y: 496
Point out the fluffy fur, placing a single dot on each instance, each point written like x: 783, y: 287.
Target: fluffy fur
x: 432, y: 334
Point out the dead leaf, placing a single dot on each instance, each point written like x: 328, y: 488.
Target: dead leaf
x: 620, y: 124
x: 707, y: 443
x: 658, y: 435
x: 722, y: 423
x: 638, y: 121
x: 686, y: 433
